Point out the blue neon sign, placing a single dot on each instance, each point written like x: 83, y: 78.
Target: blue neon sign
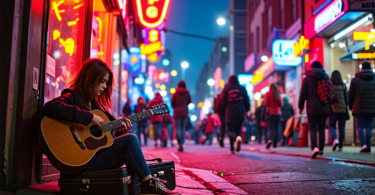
x: 283, y: 55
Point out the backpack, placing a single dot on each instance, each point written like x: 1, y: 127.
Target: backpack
x: 325, y: 91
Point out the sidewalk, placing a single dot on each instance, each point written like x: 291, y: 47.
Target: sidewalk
x: 349, y: 154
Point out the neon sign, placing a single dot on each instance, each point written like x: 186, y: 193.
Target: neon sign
x: 283, y: 54
x: 257, y: 78
x: 369, y: 37
x: 153, y: 46
x: 152, y: 13
x: 328, y: 15
x: 363, y: 56
x: 301, y: 45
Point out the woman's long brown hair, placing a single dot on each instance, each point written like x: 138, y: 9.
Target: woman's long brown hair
x: 90, y: 75
x: 275, y: 91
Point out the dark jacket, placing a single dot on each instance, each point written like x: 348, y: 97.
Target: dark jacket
x: 362, y: 93
x: 140, y: 108
x: 217, y: 104
x: 127, y: 110
x: 67, y: 107
x: 180, y: 101
x: 258, y: 114
x: 340, y: 99
x: 235, y: 101
x: 287, y: 111
x: 309, y: 93
x: 156, y: 101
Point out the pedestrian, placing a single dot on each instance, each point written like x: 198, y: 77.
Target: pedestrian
x: 156, y: 120
x: 273, y: 103
x: 340, y: 113
x: 167, y: 121
x: 209, y: 130
x: 180, y: 101
x: 362, y: 104
x: 259, y: 125
x: 127, y: 110
x: 317, y: 109
x: 287, y: 111
x: 217, y: 107
x: 234, y: 105
x: 141, y: 124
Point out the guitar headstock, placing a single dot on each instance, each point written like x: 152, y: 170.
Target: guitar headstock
x: 161, y: 109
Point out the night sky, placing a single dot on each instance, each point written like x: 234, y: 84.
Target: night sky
x: 194, y: 17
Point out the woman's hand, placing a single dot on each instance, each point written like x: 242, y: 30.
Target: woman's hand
x: 127, y: 126
x: 96, y: 120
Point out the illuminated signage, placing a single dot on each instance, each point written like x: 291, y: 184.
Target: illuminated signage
x: 369, y: 37
x: 152, y: 13
x: 301, y: 45
x: 135, y: 62
x: 159, y: 76
x: 283, y: 54
x: 257, y: 78
x: 153, y: 46
x: 217, y: 78
x: 363, y: 56
x: 331, y: 13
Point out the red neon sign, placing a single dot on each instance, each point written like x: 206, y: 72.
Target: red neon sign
x: 152, y: 13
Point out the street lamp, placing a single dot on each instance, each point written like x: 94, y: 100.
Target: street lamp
x: 211, y: 82
x: 184, y: 66
x: 220, y: 21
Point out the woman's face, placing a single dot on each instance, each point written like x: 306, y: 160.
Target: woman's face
x: 99, y: 89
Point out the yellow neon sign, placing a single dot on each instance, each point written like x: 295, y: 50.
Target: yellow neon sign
x: 68, y: 44
x: 150, y: 50
x: 55, y: 6
x: 300, y: 46
x: 257, y: 78
x: 366, y: 56
x: 56, y: 34
x: 71, y: 23
x: 369, y: 37
x: 153, y: 36
x: 100, y: 28
x: 152, y: 13
x: 78, y: 6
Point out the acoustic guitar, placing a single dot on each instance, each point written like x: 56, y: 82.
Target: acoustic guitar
x: 70, y: 146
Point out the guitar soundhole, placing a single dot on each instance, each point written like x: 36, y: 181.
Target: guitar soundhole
x: 96, y: 131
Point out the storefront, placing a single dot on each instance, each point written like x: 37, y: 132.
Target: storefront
x: 330, y: 36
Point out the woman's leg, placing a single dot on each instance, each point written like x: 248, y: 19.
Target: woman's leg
x: 342, y: 123
x: 270, y: 129
x: 332, y: 126
x: 183, y: 130
x: 276, y: 130
x: 178, y: 129
x: 210, y: 137
x: 139, y: 127
x: 125, y: 150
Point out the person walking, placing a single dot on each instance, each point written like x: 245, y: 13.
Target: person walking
x: 217, y: 107
x: 234, y: 106
x: 317, y: 110
x: 273, y: 103
x: 180, y: 101
x: 258, y: 119
x: 167, y: 121
x: 127, y: 110
x: 287, y: 111
x: 141, y: 124
x: 209, y: 130
x: 156, y: 120
x: 340, y: 114
x: 362, y: 104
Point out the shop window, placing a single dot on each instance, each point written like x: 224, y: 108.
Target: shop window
x: 100, y: 33
x: 66, y: 23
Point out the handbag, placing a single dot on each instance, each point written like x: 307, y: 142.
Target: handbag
x: 347, y: 116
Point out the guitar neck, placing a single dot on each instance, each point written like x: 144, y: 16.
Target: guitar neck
x: 133, y: 118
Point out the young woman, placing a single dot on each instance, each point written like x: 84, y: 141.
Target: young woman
x: 339, y: 107
x: 142, y: 124
x: 91, y: 89
x: 273, y: 102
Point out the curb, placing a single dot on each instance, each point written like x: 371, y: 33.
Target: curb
x: 318, y: 158
x: 213, y: 182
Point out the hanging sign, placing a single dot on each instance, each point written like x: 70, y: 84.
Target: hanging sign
x: 369, y: 37
x: 153, y: 46
x: 363, y: 56
x: 283, y: 55
x: 152, y: 13
x: 302, y: 44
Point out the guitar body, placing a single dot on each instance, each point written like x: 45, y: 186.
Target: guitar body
x: 70, y: 146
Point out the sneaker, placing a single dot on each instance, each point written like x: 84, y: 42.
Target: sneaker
x: 366, y: 151
x: 155, y: 186
x: 232, y: 151
x: 238, y: 144
x: 340, y: 149
x: 320, y: 152
x: 221, y: 142
x: 180, y: 149
x: 269, y: 143
x: 335, y: 144
x: 363, y: 149
x: 315, y: 152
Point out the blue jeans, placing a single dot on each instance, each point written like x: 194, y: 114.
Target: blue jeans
x: 125, y: 150
x: 170, y: 131
x: 181, y: 130
x: 273, y: 123
x: 222, y: 128
x: 157, y: 130
x: 142, y: 129
x: 332, y: 126
x: 234, y: 130
x: 363, y: 122
x: 317, y: 124
x: 209, y: 137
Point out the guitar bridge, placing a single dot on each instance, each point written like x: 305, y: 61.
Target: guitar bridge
x: 77, y: 138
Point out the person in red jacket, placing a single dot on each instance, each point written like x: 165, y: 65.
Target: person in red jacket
x: 273, y: 103
x: 210, y: 129
x: 180, y: 101
x: 156, y: 120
